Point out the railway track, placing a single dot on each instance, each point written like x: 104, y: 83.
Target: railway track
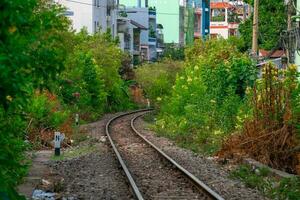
x: 150, y: 172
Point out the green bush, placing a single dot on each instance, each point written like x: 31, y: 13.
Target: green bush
x: 173, y: 52
x: 45, y: 112
x: 274, y: 188
x: 82, y: 85
x: 157, y: 79
x: 91, y: 83
x: 32, y: 51
x: 205, y: 99
x: 12, y: 160
x: 108, y: 58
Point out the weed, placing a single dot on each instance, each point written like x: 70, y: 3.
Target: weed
x: 283, y: 189
x: 75, y: 152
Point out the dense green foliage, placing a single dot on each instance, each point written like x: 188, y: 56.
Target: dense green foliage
x: 205, y: 99
x: 31, y: 47
x: 272, y: 21
x: 45, y: 112
x: 261, y: 179
x: 157, y: 79
x: 47, y: 72
x: 173, y: 52
x: 31, y: 54
x: 91, y: 82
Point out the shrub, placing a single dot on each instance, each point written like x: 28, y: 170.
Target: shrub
x: 173, y: 52
x: 45, y: 115
x: 32, y: 53
x: 269, y: 126
x: 157, y: 79
x: 91, y: 83
x: 205, y: 99
x: 12, y: 160
x: 108, y: 58
x: 274, y: 188
x: 82, y: 85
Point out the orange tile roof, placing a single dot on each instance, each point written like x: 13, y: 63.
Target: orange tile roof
x: 275, y: 54
x: 220, y: 5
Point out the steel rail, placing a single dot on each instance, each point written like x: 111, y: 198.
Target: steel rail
x: 195, y: 180
x: 132, y: 183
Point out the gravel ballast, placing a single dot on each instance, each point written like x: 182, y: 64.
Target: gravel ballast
x: 207, y: 170
x: 98, y: 175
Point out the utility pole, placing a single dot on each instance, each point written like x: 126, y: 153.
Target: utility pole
x: 297, y: 53
x: 289, y: 17
x: 255, y: 29
x: 289, y: 25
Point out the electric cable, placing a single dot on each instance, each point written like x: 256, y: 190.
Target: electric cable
x: 99, y: 6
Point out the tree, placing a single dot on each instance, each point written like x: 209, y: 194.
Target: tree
x: 272, y: 21
x: 32, y: 50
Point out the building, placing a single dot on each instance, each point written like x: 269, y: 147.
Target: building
x: 107, y: 15
x: 226, y: 16
x: 129, y: 34
x: 194, y: 20
x: 94, y: 15
x: 145, y: 16
x: 167, y: 13
x: 160, y: 46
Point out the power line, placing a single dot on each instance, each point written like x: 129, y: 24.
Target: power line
x: 99, y: 6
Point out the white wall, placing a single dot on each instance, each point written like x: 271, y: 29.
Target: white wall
x: 141, y: 16
x: 87, y: 14
x: 99, y: 15
x: 223, y: 32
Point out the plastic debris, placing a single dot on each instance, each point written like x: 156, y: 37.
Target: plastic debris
x: 42, y: 195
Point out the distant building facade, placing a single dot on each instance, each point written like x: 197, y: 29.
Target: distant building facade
x: 94, y: 15
x: 167, y: 14
x: 226, y: 17
x: 145, y: 16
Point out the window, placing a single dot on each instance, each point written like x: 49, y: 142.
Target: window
x: 232, y: 32
x: 218, y: 15
x: 94, y: 3
x: 98, y: 3
x: 95, y: 26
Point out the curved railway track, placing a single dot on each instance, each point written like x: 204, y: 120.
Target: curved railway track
x: 151, y: 173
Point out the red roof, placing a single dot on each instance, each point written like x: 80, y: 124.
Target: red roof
x: 220, y: 5
x: 275, y: 54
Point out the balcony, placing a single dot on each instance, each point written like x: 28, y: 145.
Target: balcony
x: 152, y: 41
x: 152, y: 13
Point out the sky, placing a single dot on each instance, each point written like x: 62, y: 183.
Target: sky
x: 167, y: 15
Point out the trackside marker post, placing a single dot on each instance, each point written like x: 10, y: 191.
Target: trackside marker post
x: 58, y: 138
x: 77, y: 119
x: 148, y: 103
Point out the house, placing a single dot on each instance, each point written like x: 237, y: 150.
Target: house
x: 271, y: 54
x: 129, y: 34
x: 167, y: 13
x: 220, y: 23
x: 94, y: 15
x: 108, y: 15
x: 194, y: 21
x: 160, y: 46
x: 146, y: 17
x: 226, y: 16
